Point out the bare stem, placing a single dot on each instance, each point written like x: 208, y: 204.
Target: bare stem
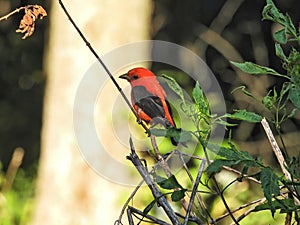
x: 159, y: 197
x: 276, y: 149
x: 13, y: 167
x: 14, y: 12
x: 194, y: 191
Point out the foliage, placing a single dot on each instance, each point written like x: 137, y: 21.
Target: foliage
x: 281, y: 193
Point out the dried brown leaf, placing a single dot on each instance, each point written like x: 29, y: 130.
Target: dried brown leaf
x: 27, y: 24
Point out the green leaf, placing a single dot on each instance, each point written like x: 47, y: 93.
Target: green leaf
x: 270, y: 186
x: 294, y: 93
x: 279, y: 52
x: 184, y: 136
x: 169, y: 183
x: 245, y: 116
x: 292, y: 113
x: 270, y: 100
x: 172, y: 83
x: 158, y: 132
x: 178, y: 195
x: 280, y: 36
x: 285, y: 206
x: 231, y: 156
x: 149, y: 207
x: 200, y: 100
x: 270, y: 12
x: 290, y: 26
x: 217, y: 165
x: 285, y: 89
x: 179, y: 135
x: 252, y: 68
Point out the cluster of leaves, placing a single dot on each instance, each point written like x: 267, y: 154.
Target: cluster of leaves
x: 175, y: 190
x: 271, y: 183
x: 281, y: 194
x: 276, y: 103
x: 290, y: 90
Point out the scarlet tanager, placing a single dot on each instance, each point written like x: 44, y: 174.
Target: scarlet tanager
x: 149, y: 98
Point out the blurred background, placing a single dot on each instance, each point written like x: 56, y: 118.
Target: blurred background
x: 39, y: 76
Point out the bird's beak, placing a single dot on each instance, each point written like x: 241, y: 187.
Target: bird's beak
x: 125, y: 76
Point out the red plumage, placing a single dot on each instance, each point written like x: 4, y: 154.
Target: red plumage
x: 148, y: 98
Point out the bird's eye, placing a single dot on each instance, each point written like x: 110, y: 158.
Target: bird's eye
x: 135, y: 77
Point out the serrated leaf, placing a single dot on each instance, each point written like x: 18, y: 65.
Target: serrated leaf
x: 252, y: 68
x: 178, y: 195
x: 200, y: 100
x: 169, y: 183
x: 245, y: 116
x: 279, y: 52
x: 232, y: 156
x: 172, y: 83
x: 270, y: 12
x: 217, y: 165
x: 270, y: 186
x: 280, y: 36
x: 149, y: 207
x: 285, y: 206
x: 294, y: 93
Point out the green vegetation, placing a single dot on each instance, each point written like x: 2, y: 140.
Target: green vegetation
x: 17, y: 201
x: 279, y: 190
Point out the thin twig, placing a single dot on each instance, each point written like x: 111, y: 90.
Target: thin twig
x: 198, y: 196
x: 240, y: 173
x: 12, y: 169
x: 13, y: 12
x: 194, y: 191
x: 160, y: 159
x: 281, y: 161
x: 88, y: 44
x: 276, y: 149
x: 152, y: 219
x: 159, y: 197
x: 118, y: 222
x: 164, y: 165
x: 129, y: 216
x: 261, y: 200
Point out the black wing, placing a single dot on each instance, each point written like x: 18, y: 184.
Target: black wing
x: 149, y: 103
x: 152, y: 106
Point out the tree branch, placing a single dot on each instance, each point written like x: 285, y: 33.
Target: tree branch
x: 276, y: 149
x: 159, y: 197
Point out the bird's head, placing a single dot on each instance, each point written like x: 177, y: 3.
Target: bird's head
x: 137, y: 73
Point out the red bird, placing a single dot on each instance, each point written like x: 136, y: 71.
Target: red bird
x: 149, y: 98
